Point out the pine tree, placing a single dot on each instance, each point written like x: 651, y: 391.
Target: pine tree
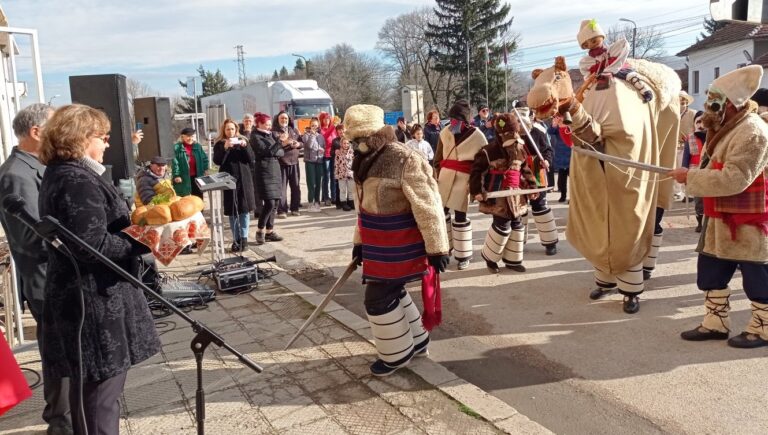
x: 472, y: 25
x: 213, y: 83
x: 299, y: 67
x: 710, y: 27
x: 275, y: 76
x: 283, y: 72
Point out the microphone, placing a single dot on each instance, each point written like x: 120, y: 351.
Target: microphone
x: 16, y: 206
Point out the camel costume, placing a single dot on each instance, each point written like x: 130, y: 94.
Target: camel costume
x: 456, y: 150
x: 499, y: 166
x: 613, y: 209
x: 733, y: 183
x: 399, y: 235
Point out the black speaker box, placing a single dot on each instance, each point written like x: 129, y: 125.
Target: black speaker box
x: 107, y: 92
x: 155, y: 116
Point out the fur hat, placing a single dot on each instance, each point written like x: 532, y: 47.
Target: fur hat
x: 362, y: 120
x: 506, y: 126
x: 588, y: 30
x: 687, y: 97
x: 460, y: 111
x: 761, y: 97
x: 739, y: 85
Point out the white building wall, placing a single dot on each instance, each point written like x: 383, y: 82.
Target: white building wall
x: 726, y: 57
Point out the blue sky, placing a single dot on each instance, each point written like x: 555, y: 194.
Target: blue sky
x: 161, y: 41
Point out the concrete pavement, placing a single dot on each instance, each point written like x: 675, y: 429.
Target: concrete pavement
x: 536, y: 342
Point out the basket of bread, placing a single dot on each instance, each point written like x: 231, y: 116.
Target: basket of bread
x: 164, y: 209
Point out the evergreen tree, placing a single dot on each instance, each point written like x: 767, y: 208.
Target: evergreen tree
x: 477, y: 26
x: 213, y: 83
x: 710, y: 27
x: 275, y: 76
x: 283, y: 72
x: 299, y: 68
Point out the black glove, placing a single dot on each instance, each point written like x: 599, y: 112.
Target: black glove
x: 357, y: 254
x: 439, y: 262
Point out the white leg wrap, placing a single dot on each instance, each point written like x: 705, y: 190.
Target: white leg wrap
x: 513, y: 250
x: 392, y: 335
x: 717, y: 306
x: 495, y: 241
x: 545, y: 225
x: 604, y: 280
x: 631, y: 281
x: 649, y: 263
x: 758, y: 324
x: 419, y: 334
x: 462, y: 240
x: 524, y: 220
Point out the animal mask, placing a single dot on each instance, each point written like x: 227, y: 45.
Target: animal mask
x: 552, y: 88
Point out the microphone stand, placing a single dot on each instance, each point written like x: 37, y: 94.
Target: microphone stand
x: 49, y: 227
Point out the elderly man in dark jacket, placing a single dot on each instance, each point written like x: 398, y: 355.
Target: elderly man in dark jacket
x: 289, y: 139
x: 21, y: 175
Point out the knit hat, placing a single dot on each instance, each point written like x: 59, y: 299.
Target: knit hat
x: 362, y: 120
x: 588, y: 30
x: 687, y: 97
x: 761, y: 97
x: 739, y: 85
x: 460, y: 111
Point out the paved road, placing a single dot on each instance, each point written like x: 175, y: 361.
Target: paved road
x: 575, y: 366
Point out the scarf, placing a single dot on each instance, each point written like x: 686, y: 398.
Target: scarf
x: 430, y: 297
x: 363, y: 163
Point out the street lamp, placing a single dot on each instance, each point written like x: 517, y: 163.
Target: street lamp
x: 306, y: 62
x: 50, y: 102
x: 634, y: 33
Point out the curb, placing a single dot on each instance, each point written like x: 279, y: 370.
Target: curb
x: 496, y: 412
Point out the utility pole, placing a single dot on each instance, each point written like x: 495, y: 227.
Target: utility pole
x: 469, y: 99
x: 241, y: 66
x: 634, y: 34
x: 487, y: 61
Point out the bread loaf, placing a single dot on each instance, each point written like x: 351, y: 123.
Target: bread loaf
x: 158, y: 215
x: 183, y: 208
x: 197, y: 201
x: 138, y: 215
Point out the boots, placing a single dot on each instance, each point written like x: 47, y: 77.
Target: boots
x: 338, y: 204
x: 259, y: 238
x: 716, y: 324
x: 243, y: 244
x: 756, y: 334
x: 699, y: 218
x: 347, y: 206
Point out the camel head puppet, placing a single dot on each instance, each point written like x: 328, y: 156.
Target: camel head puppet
x: 552, y: 89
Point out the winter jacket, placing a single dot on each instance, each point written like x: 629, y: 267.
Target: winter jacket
x: 180, y: 167
x: 432, y: 135
x: 314, y: 147
x: 329, y: 134
x: 742, y: 150
x: 562, y: 151
x: 343, y: 164
x: 238, y: 161
x: 118, y: 331
x: 291, y: 153
x: 267, y: 175
x: 487, y: 131
x: 148, y: 184
x: 403, y: 135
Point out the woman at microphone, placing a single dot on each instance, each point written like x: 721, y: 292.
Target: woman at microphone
x: 89, y: 303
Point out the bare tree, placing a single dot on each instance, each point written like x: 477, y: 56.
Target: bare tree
x: 351, y: 77
x: 411, y: 56
x: 649, y: 42
x: 137, y: 89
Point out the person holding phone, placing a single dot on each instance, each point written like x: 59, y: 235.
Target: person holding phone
x: 233, y: 156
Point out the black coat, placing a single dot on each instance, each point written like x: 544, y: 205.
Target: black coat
x: 267, y: 176
x: 238, y: 161
x: 118, y: 331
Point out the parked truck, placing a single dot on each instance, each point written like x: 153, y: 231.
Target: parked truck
x: 302, y: 99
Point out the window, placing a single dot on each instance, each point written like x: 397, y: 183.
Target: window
x: 695, y: 82
x: 717, y: 71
